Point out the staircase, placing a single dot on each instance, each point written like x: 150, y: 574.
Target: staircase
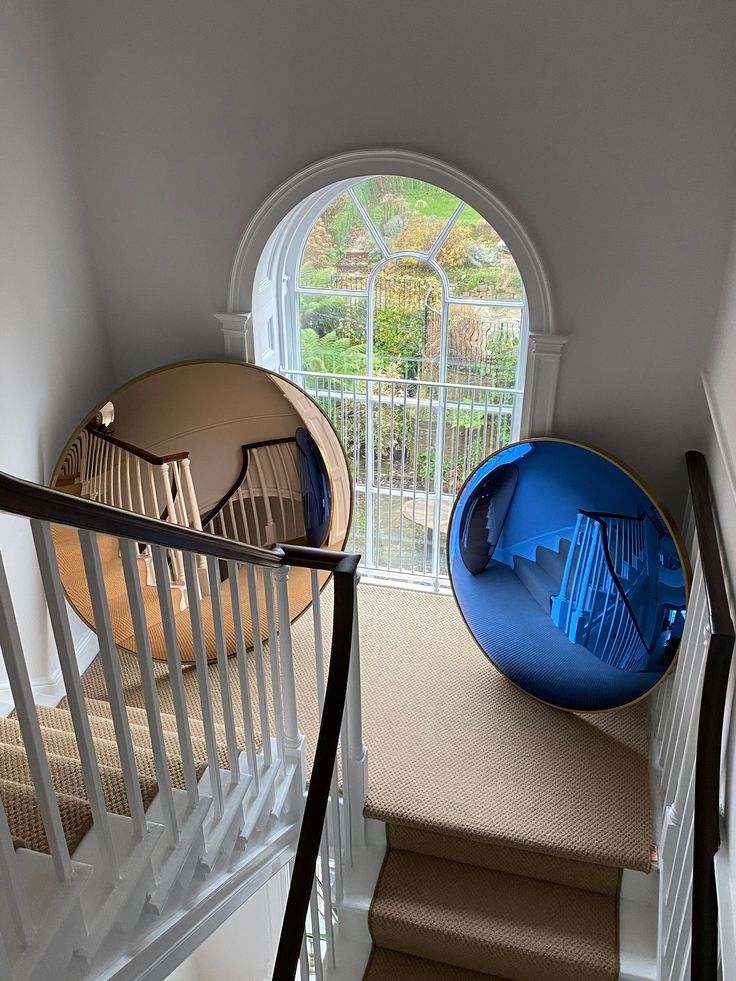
x: 508, y: 823
x: 158, y: 796
x: 542, y: 576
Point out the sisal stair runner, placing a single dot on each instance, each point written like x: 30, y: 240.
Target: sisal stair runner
x: 508, y: 822
x: 16, y: 785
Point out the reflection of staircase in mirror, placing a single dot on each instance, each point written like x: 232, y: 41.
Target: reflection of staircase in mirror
x: 542, y: 576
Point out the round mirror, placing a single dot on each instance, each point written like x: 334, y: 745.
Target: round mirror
x: 216, y: 445
x: 570, y: 577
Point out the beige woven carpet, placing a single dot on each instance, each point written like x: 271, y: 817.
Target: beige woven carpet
x: 16, y: 785
x: 509, y: 821
x: 454, y: 748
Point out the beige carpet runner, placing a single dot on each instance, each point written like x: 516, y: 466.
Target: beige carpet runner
x: 509, y: 821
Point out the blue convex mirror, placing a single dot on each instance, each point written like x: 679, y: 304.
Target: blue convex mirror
x: 569, y: 575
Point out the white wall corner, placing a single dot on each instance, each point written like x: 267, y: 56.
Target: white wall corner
x: 50, y: 690
x: 235, y: 329
x: 540, y: 385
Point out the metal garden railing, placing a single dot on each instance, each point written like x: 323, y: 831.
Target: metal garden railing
x: 410, y: 443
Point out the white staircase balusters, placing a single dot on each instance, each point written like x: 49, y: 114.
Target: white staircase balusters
x: 75, y: 696
x: 113, y: 681
x: 122, y: 903
x: 273, y: 656
x: 205, y: 694
x: 255, y: 619
x: 173, y: 660
x: 17, y: 900
x: 129, y: 555
x: 223, y: 670
x: 20, y: 686
x: 233, y: 573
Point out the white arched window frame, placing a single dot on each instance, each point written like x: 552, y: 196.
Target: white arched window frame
x: 263, y: 284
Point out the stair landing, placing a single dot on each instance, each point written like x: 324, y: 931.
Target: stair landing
x: 456, y: 748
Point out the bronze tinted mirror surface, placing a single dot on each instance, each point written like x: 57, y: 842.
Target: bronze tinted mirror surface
x: 227, y: 447
x: 568, y: 573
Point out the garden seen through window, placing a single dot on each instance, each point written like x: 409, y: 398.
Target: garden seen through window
x: 411, y: 317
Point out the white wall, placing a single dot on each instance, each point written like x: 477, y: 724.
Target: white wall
x: 53, y: 359
x: 607, y: 127
x: 720, y: 385
x: 244, y: 947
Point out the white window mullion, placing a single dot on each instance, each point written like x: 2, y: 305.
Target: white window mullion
x: 442, y: 237
x: 375, y: 234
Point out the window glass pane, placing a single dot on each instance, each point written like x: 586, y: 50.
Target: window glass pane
x: 332, y: 333
x: 483, y: 345
x: 407, y: 304
x: 477, y: 262
x: 340, y: 251
x: 408, y: 213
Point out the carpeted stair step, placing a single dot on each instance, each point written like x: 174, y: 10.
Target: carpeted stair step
x: 553, y: 562
x: 26, y: 824
x: 493, y: 923
x: 55, y: 718
x: 537, y: 581
x: 67, y: 777
x: 138, y: 716
x: 62, y: 742
x: 388, y: 965
x: 515, y: 861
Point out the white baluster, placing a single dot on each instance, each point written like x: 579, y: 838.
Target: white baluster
x: 316, y: 931
x: 129, y: 555
x: 223, y: 670
x: 286, y: 660
x: 113, y: 681
x: 54, y: 593
x: 233, y: 573
x: 20, y: 686
x: 173, y: 659
x: 273, y: 651
x: 205, y: 695
x: 255, y: 619
x: 13, y: 892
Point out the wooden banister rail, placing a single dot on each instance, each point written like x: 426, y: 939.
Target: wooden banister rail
x: 138, y: 451
x: 706, y: 835
x: 305, y: 861
x: 26, y: 499
x: 216, y: 508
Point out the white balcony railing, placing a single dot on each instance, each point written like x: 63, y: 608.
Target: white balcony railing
x: 410, y: 444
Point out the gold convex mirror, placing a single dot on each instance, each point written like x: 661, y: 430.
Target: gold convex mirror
x: 224, y: 446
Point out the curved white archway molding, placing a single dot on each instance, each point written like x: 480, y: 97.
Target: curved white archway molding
x: 545, y: 344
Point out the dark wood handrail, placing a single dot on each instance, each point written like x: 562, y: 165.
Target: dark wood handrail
x: 138, y: 451
x: 30, y: 500
x: 706, y: 833
x: 216, y: 508
x: 315, y: 808
x: 26, y: 499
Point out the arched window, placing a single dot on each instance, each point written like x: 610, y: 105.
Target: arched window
x: 401, y: 308
x: 399, y: 278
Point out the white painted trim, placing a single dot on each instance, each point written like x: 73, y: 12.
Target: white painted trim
x: 540, y: 384
x: 235, y: 329
x: 364, y: 163
x: 727, y: 449
x: 49, y: 690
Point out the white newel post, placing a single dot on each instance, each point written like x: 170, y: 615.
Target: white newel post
x: 292, y: 739
x: 235, y: 333
x: 358, y: 783
x: 540, y: 384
